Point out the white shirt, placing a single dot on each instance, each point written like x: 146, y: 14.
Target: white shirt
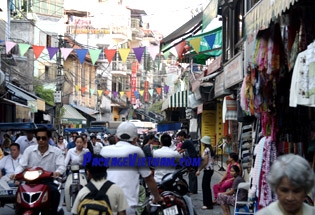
x: 97, y: 147
x: 127, y: 178
x: 24, y: 143
x: 53, y: 160
x: 9, y: 164
x: 164, y: 152
x: 75, y: 157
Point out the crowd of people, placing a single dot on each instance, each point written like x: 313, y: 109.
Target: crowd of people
x: 291, y: 177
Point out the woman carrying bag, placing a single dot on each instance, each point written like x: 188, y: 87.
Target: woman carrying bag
x: 207, y: 165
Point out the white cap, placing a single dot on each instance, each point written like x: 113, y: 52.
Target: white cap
x: 98, y: 137
x: 127, y: 131
x: 105, y: 136
x: 206, y: 140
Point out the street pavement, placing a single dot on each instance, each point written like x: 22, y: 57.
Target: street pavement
x: 196, y: 198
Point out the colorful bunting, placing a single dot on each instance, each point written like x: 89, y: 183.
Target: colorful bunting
x: 37, y: 50
x: 153, y: 51
x: 124, y: 54
x: 52, y: 51
x: 210, y: 39
x: 83, y: 90
x: 106, y: 92
x: 180, y: 48
x: 195, y: 43
x: 166, y: 54
x: 8, y: 46
x: 121, y: 93
x: 115, y: 94
x: 110, y: 53
x: 158, y: 90
x: 65, y: 52
x: 139, y: 52
x: 94, y: 54
x: 77, y: 88
x: 141, y: 92
x: 166, y: 89
x: 81, y: 54
x: 151, y: 92
x: 99, y: 93
x: 128, y: 94
x: 23, y: 48
x: 92, y: 91
x: 136, y: 93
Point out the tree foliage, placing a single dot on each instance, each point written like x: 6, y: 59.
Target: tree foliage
x: 156, y: 107
x: 46, y: 94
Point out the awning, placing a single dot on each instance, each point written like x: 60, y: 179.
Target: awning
x: 177, y: 100
x: 19, y: 93
x: 208, y: 77
x: 21, y: 111
x: 259, y: 17
x: 189, y: 28
x: 72, y: 116
x: 86, y: 110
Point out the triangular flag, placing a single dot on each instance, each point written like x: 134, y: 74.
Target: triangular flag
x: 153, y: 51
x: 166, y: 89
x: 180, y: 48
x: 128, y: 94
x: 77, y: 88
x: 136, y: 94
x: 81, y: 54
x: 121, y: 93
x: 151, y: 92
x: 37, y: 50
x: 141, y: 92
x: 8, y: 46
x: 23, y: 48
x: 124, y: 54
x: 65, y: 52
x: 110, y: 53
x: 210, y: 39
x: 195, y: 43
x: 94, y: 54
x: 99, y: 92
x: 92, y: 91
x: 52, y: 51
x: 166, y: 54
x: 115, y: 94
x: 1, y: 41
x: 83, y: 90
x: 158, y: 90
x: 106, y: 92
x: 139, y: 52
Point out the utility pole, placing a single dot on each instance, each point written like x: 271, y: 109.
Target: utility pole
x: 58, y: 92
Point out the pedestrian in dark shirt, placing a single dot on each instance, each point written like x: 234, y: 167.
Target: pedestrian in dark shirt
x: 189, y: 149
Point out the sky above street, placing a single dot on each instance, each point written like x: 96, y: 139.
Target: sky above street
x: 166, y: 16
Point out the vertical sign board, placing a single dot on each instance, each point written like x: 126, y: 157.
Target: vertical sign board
x: 233, y: 71
x: 219, y: 85
x: 146, y: 91
x: 219, y: 126
x: 208, y: 124
x: 134, y: 69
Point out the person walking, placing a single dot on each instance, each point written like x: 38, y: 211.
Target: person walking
x: 207, y: 165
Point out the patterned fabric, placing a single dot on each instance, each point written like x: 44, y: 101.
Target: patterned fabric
x: 226, y: 199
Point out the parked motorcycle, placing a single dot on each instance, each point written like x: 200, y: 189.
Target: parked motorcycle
x: 33, y: 196
x: 74, y: 183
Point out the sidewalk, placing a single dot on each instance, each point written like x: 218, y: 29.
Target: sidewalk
x: 197, y: 198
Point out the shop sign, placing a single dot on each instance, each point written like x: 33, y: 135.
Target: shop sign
x: 219, y: 85
x: 233, y: 71
x: 214, y: 66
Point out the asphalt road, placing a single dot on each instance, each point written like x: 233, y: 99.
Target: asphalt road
x: 196, y: 199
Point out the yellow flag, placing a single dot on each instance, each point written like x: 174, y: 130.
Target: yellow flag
x: 99, y: 92
x: 124, y: 54
x: 77, y: 88
x: 121, y: 93
x: 141, y: 92
x: 195, y: 43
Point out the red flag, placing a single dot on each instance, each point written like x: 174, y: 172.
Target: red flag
x: 180, y: 48
x: 37, y: 50
x: 110, y: 53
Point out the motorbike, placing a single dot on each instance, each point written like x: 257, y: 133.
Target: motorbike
x: 33, y: 196
x: 74, y: 183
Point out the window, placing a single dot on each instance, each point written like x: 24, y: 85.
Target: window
x: 48, y: 41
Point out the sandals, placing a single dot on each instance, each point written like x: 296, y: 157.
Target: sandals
x: 206, y: 208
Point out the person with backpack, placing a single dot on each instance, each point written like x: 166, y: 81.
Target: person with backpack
x: 99, y: 196
x: 207, y: 165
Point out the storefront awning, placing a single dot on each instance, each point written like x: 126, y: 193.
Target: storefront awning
x: 259, y: 17
x: 177, y: 100
x: 86, y: 110
x: 72, y: 116
x: 189, y: 28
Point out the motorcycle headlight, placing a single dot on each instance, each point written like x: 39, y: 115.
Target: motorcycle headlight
x: 75, y: 167
x: 32, y: 175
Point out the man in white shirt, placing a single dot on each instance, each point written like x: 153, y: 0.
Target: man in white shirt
x: 9, y: 164
x: 127, y: 178
x: 97, y: 145
x: 165, y: 152
x: 26, y: 141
